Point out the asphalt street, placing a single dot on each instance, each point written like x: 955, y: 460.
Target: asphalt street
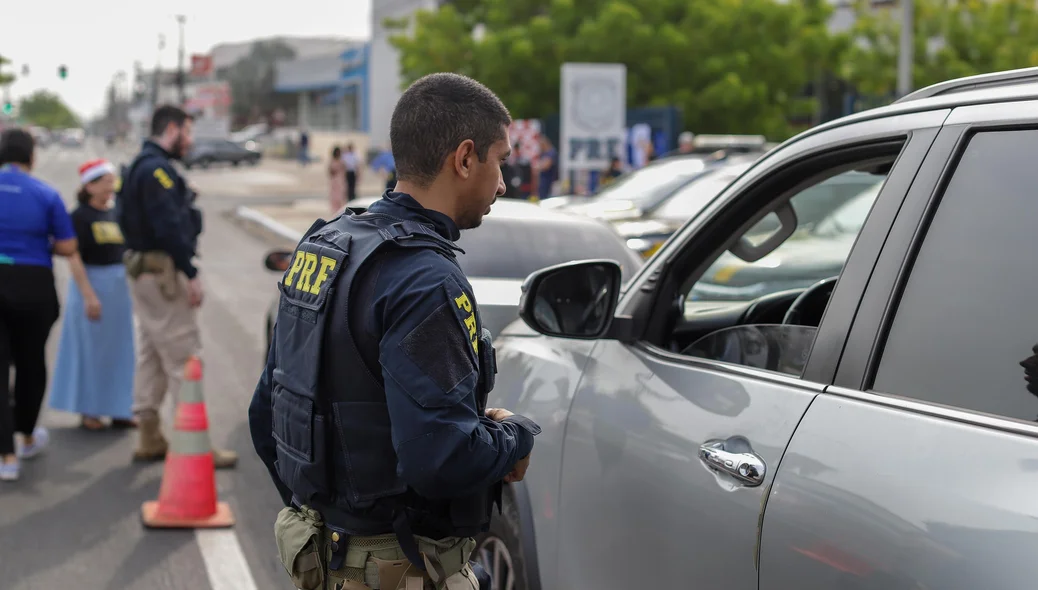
x: 73, y: 520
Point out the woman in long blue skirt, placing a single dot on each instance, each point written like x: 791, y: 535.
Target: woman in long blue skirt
x: 93, y: 375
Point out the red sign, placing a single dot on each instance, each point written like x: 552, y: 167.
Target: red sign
x: 201, y: 65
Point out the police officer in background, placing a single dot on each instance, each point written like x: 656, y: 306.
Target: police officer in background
x: 161, y: 228
x: 371, y: 413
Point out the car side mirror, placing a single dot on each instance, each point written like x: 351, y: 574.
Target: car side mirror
x: 571, y: 300
x: 278, y: 260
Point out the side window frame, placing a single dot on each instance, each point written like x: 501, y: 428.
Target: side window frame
x: 915, y: 135
x: 883, y: 294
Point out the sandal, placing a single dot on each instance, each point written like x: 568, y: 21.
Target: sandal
x: 124, y: 423
x: 91, y: 423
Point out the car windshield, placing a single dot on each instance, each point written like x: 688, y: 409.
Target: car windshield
x: 692, y: 198
x: 652, y: 182
x: 514, y: 248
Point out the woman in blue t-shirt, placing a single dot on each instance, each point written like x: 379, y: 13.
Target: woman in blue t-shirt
x: 34, y: 226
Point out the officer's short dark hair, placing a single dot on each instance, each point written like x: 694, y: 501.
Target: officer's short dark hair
x: 434, y: 116
x: 166, y: 114
x: 16, y: 147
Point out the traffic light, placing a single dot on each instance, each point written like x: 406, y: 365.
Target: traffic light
x: 8, y: 108
x: 62, y: 72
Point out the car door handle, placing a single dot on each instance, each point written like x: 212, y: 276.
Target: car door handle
x: 735, y: 458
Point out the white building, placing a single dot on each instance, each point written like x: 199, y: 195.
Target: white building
x: 385, y: 64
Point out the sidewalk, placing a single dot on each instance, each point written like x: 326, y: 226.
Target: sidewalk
x: 286, y: 222
x: 273, y: 178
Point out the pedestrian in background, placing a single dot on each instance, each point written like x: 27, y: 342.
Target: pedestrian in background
x: 304, y: 148
x: 352, y: 163
x: 547, y: 168
x: 336, y: 180
x: 34, y: 226
x: 93, y: 375
x: 161, y: 228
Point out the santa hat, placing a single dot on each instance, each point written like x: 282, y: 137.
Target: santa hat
x: 95, y: 169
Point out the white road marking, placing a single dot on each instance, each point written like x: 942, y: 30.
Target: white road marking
x: 224, y: 560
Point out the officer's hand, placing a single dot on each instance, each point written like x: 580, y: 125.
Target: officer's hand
x: 519, y: 471
x: 194, y: 292
x: 93, y: 309
x: 497, y: 414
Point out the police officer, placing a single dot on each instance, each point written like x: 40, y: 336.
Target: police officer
x: 161, y: 228
x: 371, y: 413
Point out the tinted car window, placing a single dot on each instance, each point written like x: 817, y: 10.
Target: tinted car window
x: 506, y: 248
x: 965, y: 330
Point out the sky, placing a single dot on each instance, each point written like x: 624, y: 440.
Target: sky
x: 97, y: 39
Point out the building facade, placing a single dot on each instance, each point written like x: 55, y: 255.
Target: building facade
x: 332, y: 91
x: 385, y: 63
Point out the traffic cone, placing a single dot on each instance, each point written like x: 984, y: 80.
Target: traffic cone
x: 187, y: 498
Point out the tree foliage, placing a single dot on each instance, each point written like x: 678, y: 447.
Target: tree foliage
x: 46, y: 109
x: 252, y: 81
x: 732, y: 66
x: 4, y: 77
x: 953, y: 38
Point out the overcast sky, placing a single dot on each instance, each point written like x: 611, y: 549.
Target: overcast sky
x: 97, y: 39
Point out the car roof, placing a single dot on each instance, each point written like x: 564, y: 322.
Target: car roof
x: 1008, y: 86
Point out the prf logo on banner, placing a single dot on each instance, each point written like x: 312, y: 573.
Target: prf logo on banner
x: 594, y: 115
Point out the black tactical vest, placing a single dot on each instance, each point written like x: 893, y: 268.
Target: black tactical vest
x: 330, y: 419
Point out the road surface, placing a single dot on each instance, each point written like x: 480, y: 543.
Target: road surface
x: 73, y: 520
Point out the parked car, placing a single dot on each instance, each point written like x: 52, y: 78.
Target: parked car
x: 631, y: 195
x: 515, y: 239
x: 646, y: 235
x: 206, y: 152
x: 875, y: 430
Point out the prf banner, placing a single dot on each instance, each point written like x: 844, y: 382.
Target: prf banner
x: 594, y: 115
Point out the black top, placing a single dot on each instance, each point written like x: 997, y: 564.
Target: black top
x: 100, y: 240
x: 154, y: 209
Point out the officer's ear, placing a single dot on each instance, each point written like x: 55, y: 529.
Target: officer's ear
x: 465, y: 158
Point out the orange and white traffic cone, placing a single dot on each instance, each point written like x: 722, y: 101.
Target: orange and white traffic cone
x: 187, y: 498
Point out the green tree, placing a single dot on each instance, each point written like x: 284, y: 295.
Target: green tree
x: 46, y: 109
x: 953, y: 38
x: 5, y: 78
x: 732, y: 66
x: 252, y: 81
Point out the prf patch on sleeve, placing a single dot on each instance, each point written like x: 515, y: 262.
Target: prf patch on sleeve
x: 313, y: 271
x: 163, y: 178
x: 465, y: 308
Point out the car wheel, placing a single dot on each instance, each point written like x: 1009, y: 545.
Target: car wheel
x: 235, y: 163
x: 253, y: 161
x: 204, y: 163
x: 499, y: 551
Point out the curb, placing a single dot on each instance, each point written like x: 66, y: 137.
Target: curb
x: 268, y: 223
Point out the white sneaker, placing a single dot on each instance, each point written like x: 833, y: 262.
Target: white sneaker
x: 40, y: 438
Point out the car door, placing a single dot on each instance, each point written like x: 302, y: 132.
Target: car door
x: 668, y: 457
x: 918, y: 468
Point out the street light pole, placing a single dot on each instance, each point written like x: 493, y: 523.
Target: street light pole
x: 156, y: 77
x: 905, y: 55
x: 180, y: 61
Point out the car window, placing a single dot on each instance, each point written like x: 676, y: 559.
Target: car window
x: 645, y: 183
x: 514, y: 248
x: 697, y: 194
x: 799, y: 262
x: 965, y: 330
x: 849, y: 217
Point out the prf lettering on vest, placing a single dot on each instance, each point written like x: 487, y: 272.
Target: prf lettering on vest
x: 465, y: 305
x: 305, y: 264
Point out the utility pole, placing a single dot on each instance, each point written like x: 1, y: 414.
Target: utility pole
x: 905, y: 55
x: 156, y: 78
x: 180, y: 61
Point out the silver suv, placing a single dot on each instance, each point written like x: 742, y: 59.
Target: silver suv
x: 874, y: 430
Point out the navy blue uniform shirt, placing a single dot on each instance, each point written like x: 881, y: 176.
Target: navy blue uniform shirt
x: 444, y: 447
x: 154, y: 209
